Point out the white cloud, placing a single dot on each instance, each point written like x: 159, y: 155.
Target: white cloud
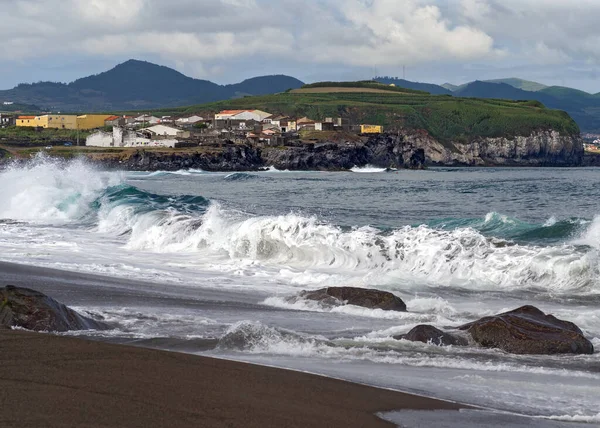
x: 205, y: 35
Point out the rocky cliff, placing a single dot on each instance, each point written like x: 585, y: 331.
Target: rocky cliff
x: 383, y: 150
x: 411, y: 149
x: 541, y: 148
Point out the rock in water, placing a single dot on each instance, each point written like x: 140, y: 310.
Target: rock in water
x: 430, y: 334
x: 30, y: 309
x: 528, y: 330
x: 367, y: 298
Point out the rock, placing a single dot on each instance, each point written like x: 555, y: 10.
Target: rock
x: 22, y: 307
x: 527, y: 330
x: 367, y: 298
x: 430, y: 334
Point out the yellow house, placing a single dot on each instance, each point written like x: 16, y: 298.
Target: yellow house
x: 25, y: 121
x: 91, y: 121
x: 371, y: 129
x: 55, y: 121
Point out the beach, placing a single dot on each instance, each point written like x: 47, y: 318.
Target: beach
x: 53, y: 381
x: 215, y: 265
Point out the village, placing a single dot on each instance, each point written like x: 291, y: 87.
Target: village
x: 257, y: 127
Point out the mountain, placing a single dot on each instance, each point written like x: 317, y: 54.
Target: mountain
x: 427, y: 87
x: 583, y: 107
x: 526, y: 85
x: 139, y: 85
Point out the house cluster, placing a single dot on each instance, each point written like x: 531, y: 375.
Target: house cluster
x: 153, y: 136
x: 265, y: 128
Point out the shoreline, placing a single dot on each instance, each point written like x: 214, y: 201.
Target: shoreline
x: 75, y: 382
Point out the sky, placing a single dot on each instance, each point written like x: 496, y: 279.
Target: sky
x: 555, y: 42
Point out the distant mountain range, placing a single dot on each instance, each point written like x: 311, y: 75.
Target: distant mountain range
x: 583, y: 107
x: 138, y: 85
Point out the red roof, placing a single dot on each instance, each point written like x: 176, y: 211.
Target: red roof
x: 111, y: 118
x: 26, y: 117
x: 232, y: 112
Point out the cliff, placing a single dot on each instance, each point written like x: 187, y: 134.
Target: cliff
x: 382, y: 150
x: 540, y: 148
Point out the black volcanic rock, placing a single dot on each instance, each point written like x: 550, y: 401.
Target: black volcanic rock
x: 527, y: 330
x: 365, y: 297
x: 22, y: 307
x: 430, y: 334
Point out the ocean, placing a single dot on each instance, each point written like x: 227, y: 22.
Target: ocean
x: 207, y: 262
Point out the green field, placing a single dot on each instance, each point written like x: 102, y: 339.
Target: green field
x: 447, y: 118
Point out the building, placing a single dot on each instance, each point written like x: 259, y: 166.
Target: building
x: 163, y: 131
x: 192, y: 120
x: 371, y: 129
x: 126, y: 138
x: 114, y: 121
x: 327, y: 125
x: 242, y: 115
x: 152, y: 120
x: 25, y: 121
x: 91, y: 121
x: 48, y: 121
x: 7, y: 120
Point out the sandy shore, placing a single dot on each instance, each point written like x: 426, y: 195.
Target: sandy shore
x: 50, y: 381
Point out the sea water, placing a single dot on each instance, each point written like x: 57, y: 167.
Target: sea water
x: 228, y: 249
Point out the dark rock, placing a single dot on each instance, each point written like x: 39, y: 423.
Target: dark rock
x: 22, y: 307
x: 528, y: 330
x: 430, y: 334
x: 367, y: 298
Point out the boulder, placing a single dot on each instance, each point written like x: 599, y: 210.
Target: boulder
x: 367, y: 298
x: 32, y: 310
x: 430, y: 334
x: 527, y: 330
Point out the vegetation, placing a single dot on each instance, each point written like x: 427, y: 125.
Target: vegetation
x: 367, y: 84
x: 16, y: 134
x: 445, y: 117
x: 138, y: 85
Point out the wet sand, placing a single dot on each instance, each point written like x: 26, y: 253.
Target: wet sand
x: 51, y: 381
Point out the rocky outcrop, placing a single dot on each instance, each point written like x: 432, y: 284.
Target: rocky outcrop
x: 541, y: 148
x: 367, y: 298
x: 385, y: 150
x: 527, y: 330
x: 22, y: 307
x: 435, y: 336
x: 229, y: 158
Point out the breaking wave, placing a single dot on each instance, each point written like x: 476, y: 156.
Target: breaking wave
x: 479, y: 254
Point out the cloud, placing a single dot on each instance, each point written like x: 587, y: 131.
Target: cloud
x: 212, y: 37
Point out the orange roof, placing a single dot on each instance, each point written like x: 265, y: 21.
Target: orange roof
x: 111, y: 118
x: 26, y: 117
x: 232, y: 112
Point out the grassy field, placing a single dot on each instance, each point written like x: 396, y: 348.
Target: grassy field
x: 45, y: 136
x: 447, y: 118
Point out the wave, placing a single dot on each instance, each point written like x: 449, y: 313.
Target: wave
x: 184, y: 172
x: 477, y: 254
x: 368, y: 169
x: 51, y: 191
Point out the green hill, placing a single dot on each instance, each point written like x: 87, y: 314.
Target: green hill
x: 526, y: 85
x: 138, y: 85
x: 445, y: 117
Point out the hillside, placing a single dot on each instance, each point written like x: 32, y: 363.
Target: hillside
x: 583, y: 107
x: 446, y: 118
x: 427, y: 87
x: 138, y: 85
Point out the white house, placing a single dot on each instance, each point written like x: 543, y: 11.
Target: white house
x: 121, y: 138
x: 256, y: 115
x: 165, y: 131
x: 189, y: 120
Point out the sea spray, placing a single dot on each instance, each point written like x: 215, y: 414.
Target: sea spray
x: 52, y: 191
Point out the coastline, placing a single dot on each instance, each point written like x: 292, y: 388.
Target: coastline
x: 76, y: 382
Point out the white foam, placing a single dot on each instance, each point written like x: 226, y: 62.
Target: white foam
x: 368, y: 169
x: 48, y: 191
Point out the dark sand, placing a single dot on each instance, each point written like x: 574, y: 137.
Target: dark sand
x: 50, y: 381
